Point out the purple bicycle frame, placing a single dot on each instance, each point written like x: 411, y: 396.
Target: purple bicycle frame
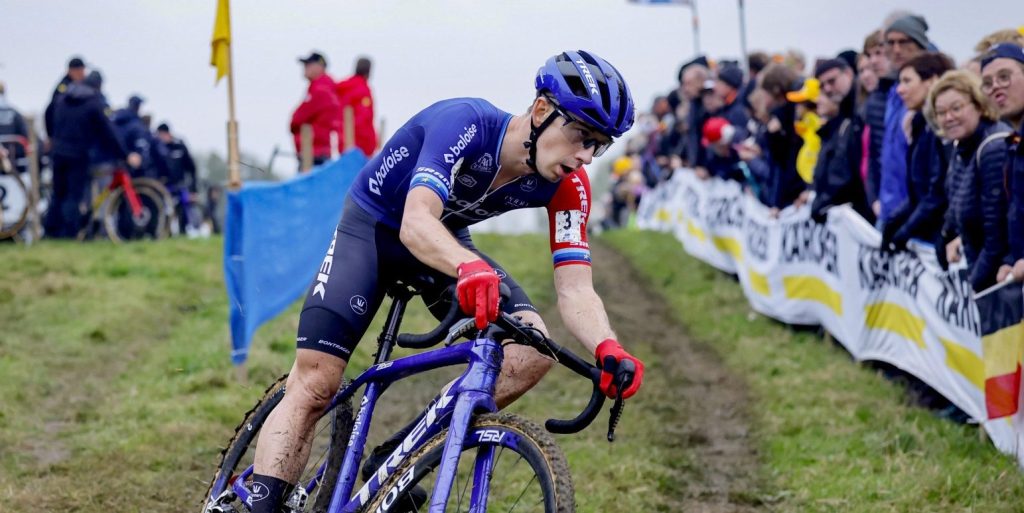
x: 470, y: 394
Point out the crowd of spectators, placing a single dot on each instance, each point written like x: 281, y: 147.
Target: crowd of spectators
x: 919, y: 147
x: 324, y: 107
x: 86, y: 139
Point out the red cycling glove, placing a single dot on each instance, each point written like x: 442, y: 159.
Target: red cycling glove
x: 609, y: 354
x: 478, y: 291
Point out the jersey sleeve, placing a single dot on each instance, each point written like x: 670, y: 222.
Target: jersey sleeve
x: 449, y: 133
x: 568, y: 212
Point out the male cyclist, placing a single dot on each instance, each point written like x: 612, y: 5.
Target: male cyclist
x: 456, y: 163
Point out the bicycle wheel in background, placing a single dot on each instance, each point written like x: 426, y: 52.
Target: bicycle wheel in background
x: 329, y: 443
x: 528, y: 471
x: 13, y: 205
x: 120, y: 222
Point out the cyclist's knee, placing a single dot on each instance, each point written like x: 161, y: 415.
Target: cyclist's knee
x: 314, y: 379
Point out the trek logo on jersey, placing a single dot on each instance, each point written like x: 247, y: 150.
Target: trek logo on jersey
x: 388, y: 161
x: 590, y: 78
x: 460, y: 145
x: 484, y: 163
x: 325, y: 270
x: 582, y: 190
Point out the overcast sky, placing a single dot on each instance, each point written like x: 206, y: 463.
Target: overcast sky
x: 423, y: 51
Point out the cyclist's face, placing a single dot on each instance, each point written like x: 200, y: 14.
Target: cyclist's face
x: 566, y: 145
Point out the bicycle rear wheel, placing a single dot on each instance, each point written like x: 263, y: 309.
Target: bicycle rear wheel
x: 122, y: 224
x: 330, y: 440
x: 13, y: 204
x: 527, y: 471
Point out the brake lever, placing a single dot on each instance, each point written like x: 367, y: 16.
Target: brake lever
x: 623, y: 379
x: 459, y: 329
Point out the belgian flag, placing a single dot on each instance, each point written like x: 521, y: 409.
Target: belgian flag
x: 1002, y: 342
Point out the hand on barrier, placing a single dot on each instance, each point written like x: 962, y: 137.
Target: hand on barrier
x: 609, y: 354
x: 477, y: 289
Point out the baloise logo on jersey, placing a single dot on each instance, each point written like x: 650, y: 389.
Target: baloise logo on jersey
x: 460, y: 145
x: 388, y: 161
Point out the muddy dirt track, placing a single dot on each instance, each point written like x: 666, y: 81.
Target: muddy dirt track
x: 702, y: 407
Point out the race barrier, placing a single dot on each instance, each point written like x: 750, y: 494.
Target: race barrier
x: 899, y: 308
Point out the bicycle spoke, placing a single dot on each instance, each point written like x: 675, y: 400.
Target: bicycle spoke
x: 516, y: 504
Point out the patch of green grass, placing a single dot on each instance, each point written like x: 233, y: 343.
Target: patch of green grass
x: 119, y: 392
x: 835, y: 435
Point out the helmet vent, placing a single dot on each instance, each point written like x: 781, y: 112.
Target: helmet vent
x: 623, y: 101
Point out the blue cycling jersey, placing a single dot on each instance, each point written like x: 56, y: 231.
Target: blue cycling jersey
x: 452, y: 147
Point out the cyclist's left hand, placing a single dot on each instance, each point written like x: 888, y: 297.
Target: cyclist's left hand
x: 609, y: 353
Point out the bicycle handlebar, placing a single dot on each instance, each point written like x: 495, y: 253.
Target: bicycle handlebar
x: 513, y: 328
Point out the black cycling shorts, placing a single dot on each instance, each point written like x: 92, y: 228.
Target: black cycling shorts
x: 364, y: 259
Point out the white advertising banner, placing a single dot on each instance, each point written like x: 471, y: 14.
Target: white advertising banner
x: 900, y: 308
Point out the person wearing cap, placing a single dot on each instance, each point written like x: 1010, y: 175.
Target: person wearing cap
x: 181, y: 175
x: 75, y: 73
x: 905, y: 39
x: 721, y: 100
x: 320, y: 109
x: 837, y: 177
x: 1002, y: 80
x: 806, y: 125
x: 354, y: 93
x: 136, y: 137
x: 81, y: 128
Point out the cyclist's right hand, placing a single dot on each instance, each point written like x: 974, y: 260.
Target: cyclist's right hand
x: 609, y: 354
x: 477, y: 289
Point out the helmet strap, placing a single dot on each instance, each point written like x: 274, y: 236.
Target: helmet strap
x: 531, y: 144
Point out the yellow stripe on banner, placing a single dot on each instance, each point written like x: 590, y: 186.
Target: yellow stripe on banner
x: 759, y: 283
x: 662, y: 215
x: 1002, y: 350
x: 813, y: 289
x: 695, y: 231
x: 892, y: 317
x: 730, y: 246
x: 966, y: 363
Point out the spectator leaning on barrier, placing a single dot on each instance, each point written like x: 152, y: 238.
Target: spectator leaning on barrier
x: 320, y: 108
x: 75, y: 73
x: 721, y: 100
x: 806, y: 126
x: 976, y: 219
x: 776, y: 141
x: 874, y: 114
x: 905, y: 38
x: 354, y: 93
x: 1002, y: 79
x: 80, y: 126
x: 837, y: 177
x: 921, y: 216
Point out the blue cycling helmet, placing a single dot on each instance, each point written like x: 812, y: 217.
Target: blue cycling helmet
x: 589, y: 88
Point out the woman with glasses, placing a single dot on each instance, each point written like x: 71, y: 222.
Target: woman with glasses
x: 975, y: 223
x: 407, y: 214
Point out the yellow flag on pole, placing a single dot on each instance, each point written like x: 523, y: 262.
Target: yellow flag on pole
x: 221, y: 40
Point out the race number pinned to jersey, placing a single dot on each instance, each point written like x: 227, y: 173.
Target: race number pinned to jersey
x: 569, y: 226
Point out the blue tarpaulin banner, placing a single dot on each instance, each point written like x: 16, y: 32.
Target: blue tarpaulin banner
x: 275, y: 235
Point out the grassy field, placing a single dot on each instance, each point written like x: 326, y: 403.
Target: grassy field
x: 118, y: 392
x: 835, y: 436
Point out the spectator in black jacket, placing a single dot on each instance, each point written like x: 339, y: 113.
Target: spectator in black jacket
x: 921, y: 216
x: 12, y: 123
x: 136, y: 137
x: 694, y: 78
x: 75, y: 74
x: 80, y: 125
x: 777, y: 143
x: 1002, y: 79
x: 976, y: 218
x: 181, y: 174
x: 837, y: 174
x: 874, y: 114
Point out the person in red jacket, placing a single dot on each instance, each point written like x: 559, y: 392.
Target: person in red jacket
x: 320, y: 109
x: 354, y: 92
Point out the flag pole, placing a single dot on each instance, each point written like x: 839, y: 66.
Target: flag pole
x: 696, y: 27
x: 745, y: 62
x: 234, y: 168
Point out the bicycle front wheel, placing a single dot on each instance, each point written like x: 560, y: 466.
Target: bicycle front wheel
x: 330, y: 438
x: 518, y: 465
x: 123, y: 223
